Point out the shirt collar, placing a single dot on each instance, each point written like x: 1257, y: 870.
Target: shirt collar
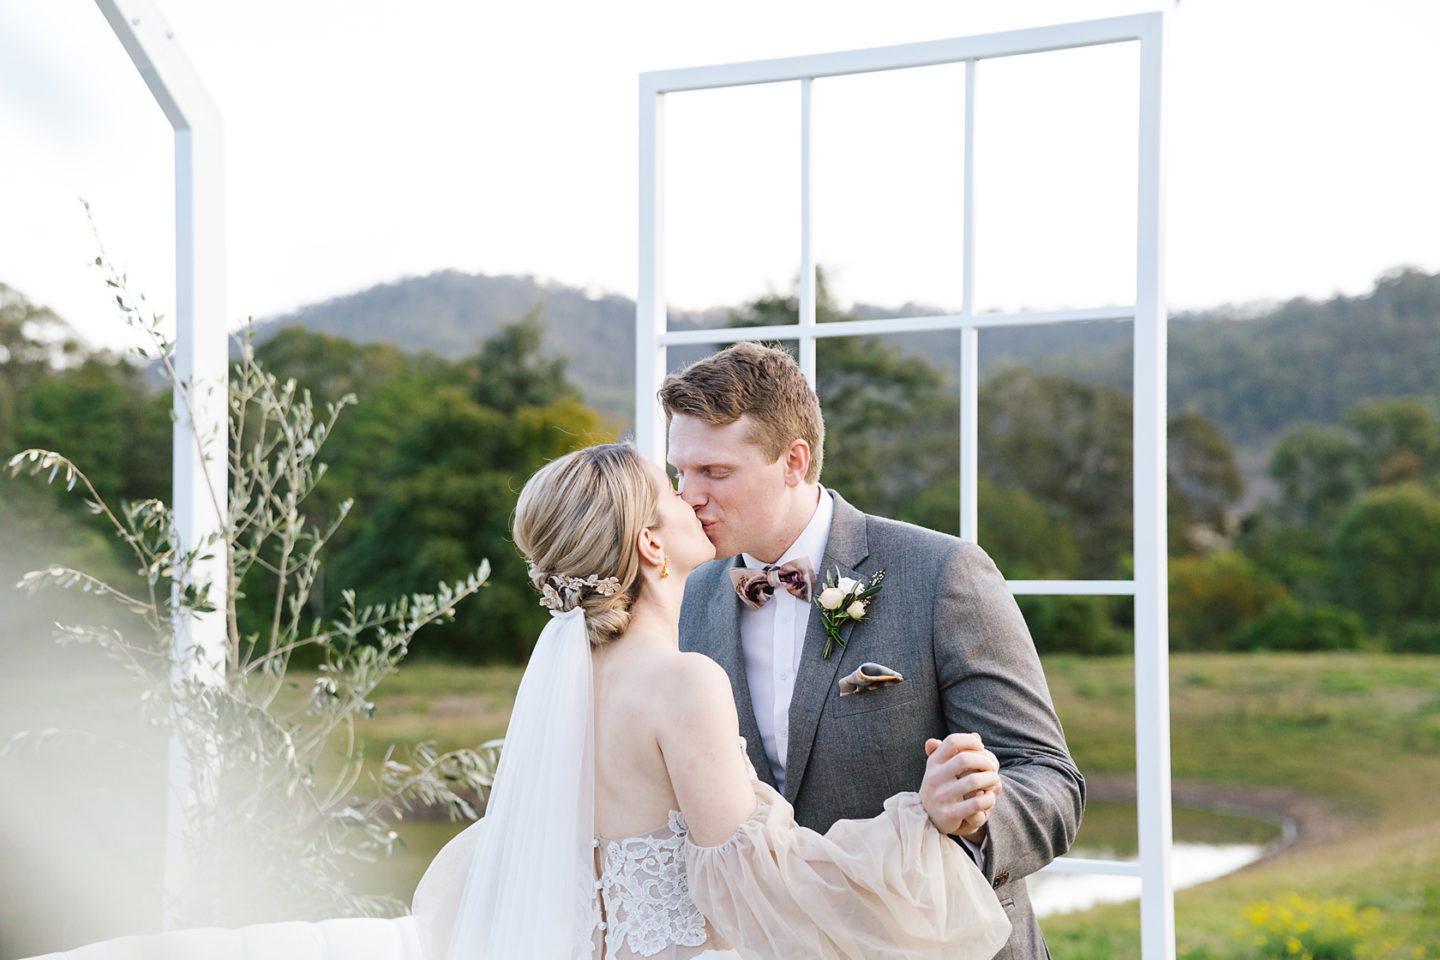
x: 812, y: 540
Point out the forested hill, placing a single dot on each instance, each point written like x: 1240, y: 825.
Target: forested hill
x: 1300, y: 360
x: 451, y: 313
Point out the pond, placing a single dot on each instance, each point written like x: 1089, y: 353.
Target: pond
x: 1208, y: 844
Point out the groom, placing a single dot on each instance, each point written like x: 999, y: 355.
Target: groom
x: 747, y: 441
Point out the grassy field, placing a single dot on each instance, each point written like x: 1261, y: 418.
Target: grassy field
x: 1358, y: 732
x: 1358, y: 735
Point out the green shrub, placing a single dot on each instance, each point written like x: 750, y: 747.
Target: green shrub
x: 1292, y: 626
x: 1214, y: 595
x: 1072, y: 624
x: 1386, y: 557
x: 1418, y: 636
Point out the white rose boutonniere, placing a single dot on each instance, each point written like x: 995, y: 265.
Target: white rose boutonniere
x: 842, y: 599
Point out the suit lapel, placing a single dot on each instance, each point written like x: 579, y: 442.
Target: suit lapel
x: 845, y: 548
x: 722, y: 639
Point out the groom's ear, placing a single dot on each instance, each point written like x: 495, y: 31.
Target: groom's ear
x: 797, y: 462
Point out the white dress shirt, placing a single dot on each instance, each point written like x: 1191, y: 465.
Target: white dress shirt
x: 773, y: 637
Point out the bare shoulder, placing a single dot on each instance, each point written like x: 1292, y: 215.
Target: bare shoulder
x: 692, y: 693
x: 699, y: 743
x: 694, y: 677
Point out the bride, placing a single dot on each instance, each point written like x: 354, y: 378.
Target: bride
x: 625, y: 819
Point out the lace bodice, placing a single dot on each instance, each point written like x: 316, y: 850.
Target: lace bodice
x: 643, y: 903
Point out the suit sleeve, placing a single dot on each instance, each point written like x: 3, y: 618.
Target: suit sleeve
x: 991, y: 683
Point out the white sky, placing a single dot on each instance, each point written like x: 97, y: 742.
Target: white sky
x: 369, y: 140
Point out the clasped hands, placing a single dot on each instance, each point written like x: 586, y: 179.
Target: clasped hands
x: 961, y: 785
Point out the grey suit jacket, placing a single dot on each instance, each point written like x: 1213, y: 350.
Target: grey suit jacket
x: 945, y: 619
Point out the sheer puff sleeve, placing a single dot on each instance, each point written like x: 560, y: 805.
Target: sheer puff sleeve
x: 888, y: 888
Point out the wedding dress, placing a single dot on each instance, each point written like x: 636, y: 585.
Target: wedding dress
x: 531, y: 881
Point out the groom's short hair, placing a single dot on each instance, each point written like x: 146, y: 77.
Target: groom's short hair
x: 755, y: 380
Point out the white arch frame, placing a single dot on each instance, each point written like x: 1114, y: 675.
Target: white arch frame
x: 200, y: 472
x: 1149, y: 321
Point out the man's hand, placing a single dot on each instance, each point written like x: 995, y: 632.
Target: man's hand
x: 961, y: 785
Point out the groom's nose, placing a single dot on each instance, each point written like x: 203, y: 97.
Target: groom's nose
x: 692, y: 494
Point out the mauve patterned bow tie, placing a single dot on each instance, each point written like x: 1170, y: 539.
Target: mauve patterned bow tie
x: 756, y: 587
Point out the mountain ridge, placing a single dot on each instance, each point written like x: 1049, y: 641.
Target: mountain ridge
x: 1252, y: 369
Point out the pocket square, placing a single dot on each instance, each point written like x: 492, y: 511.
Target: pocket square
x: 868, y: 677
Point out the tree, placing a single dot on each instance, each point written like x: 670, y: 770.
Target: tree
x: 1386, y: 557
x: 1320, y: 469
x: 1257, y: 373
x: 1297, y: 556
x: 53, y: 392
x: 891, y: 430
x: 33, y: 340
x: 331, y: 366
x: 448, y: 490
x: 1024, y: 536
x: 1214, y: 595
x: 1067, y: 444
x: 1070, y: 445
x: 392, y: 389
x: 1205, y: 483
x: 1398, y: 439
x: 99, y: 408
x: 434, y: 456
x: 104, y: 414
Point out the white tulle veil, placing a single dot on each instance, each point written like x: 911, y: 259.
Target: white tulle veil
x: 519, y: 883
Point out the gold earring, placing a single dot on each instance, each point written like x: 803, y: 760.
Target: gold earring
x: 665, y: 566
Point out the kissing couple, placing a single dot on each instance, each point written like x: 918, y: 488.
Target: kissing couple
x: 760, y: 723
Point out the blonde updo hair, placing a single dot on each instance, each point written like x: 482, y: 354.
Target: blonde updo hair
x: 580, y: 516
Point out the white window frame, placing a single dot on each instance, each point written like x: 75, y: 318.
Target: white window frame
x: 1148, y: 321
x: 200, y: 472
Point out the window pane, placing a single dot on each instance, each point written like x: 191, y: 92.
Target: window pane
x: 888, y: 190
x: 1056, y: 140
x: 1055, y: 439
x: 892, y: 424
x: 731, y: 198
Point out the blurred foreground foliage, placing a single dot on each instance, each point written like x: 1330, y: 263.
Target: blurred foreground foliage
x: 282, y: 803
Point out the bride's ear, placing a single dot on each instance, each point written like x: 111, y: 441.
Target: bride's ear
x: 651, y: 550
